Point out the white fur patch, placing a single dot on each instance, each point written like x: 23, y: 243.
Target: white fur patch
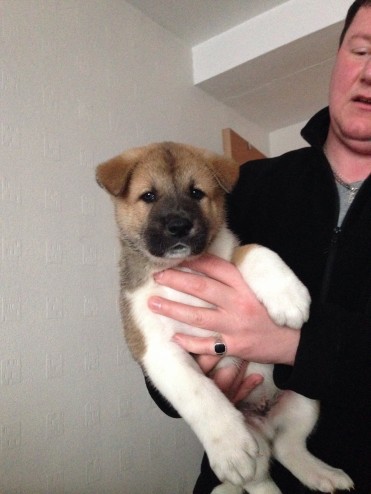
x: 239, y: 451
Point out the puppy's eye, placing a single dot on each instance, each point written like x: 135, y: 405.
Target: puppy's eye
x: 148, y: 197
x: 197, y: 194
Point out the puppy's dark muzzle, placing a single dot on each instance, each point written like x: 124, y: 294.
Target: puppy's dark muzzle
x: 176, y: 231
x: 178, y: 226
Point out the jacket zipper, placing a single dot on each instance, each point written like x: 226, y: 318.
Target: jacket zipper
x: 336, y: 232
x: 333, y: 244
x: 330, y: 262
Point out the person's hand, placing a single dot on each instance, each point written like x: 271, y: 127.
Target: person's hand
x: 236, y: 315
x: 230, y: 380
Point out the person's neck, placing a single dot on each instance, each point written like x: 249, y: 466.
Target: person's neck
x: 350, y: 165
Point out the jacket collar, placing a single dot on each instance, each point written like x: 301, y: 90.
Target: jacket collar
x: 316, y: 130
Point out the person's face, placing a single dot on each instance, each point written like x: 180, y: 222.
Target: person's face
x: 350, y: 88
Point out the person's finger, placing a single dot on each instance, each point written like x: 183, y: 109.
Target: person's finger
x: 199, y: 317
x: 246, y: 386
x: 196, y: 344
x: 235, y: 384
x: 224, y: 379
x: 213, y: 267
x: 229, y: 378
x: 207, y: 362
x: 208, y: 289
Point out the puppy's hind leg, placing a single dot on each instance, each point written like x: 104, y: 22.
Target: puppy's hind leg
x: 267, y: 486
x: 227, y: 488
x: 262, y: 483
x: 294, y: 425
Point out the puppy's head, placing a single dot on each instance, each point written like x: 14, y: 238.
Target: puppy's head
x: 168, y: 197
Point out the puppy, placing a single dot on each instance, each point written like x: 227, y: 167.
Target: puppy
x: 169, y: 206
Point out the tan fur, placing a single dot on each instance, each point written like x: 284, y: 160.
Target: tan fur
x: 133, y: 336
x: 241, y: 252
x: 112, y: 174
x: 165, y: 167
x: 169, y: 205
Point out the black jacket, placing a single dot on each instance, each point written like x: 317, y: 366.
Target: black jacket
x: 290, y: 204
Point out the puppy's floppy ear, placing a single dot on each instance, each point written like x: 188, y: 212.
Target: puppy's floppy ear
x: 226, y: 171
x: 114, y: 175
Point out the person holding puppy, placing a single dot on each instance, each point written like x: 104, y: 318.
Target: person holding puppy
x: 313, y: 207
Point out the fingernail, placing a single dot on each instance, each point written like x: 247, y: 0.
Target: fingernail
x: 154, y: 304
x: 158, y: 276
x: 258, y: 380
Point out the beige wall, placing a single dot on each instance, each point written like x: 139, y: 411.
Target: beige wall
x: 79, y: 82
x: 286, y: 139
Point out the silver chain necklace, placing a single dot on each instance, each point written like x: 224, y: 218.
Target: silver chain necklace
x: 353, y: 189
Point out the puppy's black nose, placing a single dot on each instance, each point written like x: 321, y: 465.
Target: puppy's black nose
x: 178, y: 226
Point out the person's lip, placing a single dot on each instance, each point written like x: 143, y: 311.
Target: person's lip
x: 363, y: 100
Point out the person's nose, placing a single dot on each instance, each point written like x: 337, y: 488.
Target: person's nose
x: 366, y: 72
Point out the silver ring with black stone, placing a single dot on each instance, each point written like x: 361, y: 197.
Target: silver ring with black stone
x: 220, y: 347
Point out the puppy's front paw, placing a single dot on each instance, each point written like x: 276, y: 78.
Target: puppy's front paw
x: 232, y: 455
x: 275, y: 285
x: 288, y: 302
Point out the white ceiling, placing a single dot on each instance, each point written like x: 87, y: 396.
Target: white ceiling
x: 198, y: 20
x: 280, y: 87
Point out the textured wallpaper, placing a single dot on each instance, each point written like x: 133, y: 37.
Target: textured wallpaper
x: 80, y: 81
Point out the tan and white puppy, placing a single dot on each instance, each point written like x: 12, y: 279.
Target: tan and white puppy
x: 169, y: 206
